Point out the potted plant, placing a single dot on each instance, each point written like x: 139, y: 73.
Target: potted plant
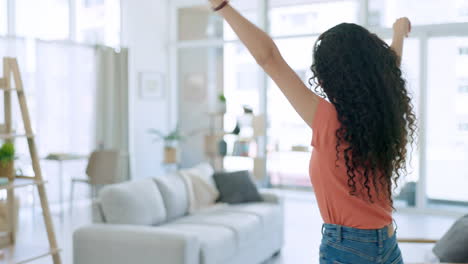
x: 221, y: 105
x: 7, y: 157
x: 171, y: 141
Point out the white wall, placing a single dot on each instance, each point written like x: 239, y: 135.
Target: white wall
x: 145, y: 33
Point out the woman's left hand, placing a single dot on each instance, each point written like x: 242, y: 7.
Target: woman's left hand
x: 215, y: 3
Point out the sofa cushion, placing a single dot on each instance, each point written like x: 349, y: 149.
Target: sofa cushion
x: 174, y: 194
x: 247, y: 227
x: 218, y: 244
x: 271, y: 216
x: 236, y: 187
x: 267, y: 212
x: 135, y: 203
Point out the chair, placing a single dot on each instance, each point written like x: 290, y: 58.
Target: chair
x: 103, y: 168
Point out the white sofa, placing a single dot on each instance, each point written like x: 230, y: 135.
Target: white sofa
x: 146, y: 222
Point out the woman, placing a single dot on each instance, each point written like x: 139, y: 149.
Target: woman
x: 359, y: 137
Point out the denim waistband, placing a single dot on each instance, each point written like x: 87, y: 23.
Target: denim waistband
x: 365, y: 235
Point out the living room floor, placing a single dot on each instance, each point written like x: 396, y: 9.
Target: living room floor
x: 302, y: 231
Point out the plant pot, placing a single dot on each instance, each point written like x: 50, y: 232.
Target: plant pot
x: 170, y: 155
x: 220, y: 108
x: 7, y: 170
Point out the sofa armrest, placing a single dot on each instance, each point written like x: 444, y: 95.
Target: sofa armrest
x: 123, y: 244
x: 270, y: 196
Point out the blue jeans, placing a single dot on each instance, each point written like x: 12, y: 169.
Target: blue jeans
x: 346, y: 245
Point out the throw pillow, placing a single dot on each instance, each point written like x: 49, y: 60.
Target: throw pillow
x: 453, y: 246
x: 201, y: 192
x: 236, y: 187
x: 205, y: 171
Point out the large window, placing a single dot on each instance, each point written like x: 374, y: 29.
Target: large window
x: 434, y: 64
x: 447, y: 125
x: 98, y: 21
x: 292, y: 19
x: 3, y: 17
x: 59, y: 77
x: 241, y: 88
x: 421, y: 12
x: 60, y: 85
x: 289, y: 137
x: 86, y: 21
x: 46, y: 19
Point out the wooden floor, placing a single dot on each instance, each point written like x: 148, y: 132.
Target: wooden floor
x: 302, y: 231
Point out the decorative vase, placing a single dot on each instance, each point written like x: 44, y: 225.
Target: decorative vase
x: 170, y: 155
x: 221, y: 108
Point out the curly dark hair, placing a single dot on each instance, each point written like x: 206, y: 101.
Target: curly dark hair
x: 360, y: 75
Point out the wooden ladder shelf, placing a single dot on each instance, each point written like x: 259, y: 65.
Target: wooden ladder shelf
x: 11, y: 69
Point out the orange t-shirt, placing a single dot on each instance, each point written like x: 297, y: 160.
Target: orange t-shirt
x: 330, y: 180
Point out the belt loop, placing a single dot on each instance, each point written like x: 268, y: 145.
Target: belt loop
x: 340, y: 238
x: 396, y: 225
x: 323, y: 228
x: 379, y: 237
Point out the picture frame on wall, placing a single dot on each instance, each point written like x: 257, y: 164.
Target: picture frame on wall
x: 151, y: 85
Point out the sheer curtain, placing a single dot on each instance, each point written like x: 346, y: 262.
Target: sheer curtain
x: 65, y: 98
x: 65, y: 105
x: 112, y: 103
x: 60, y: 84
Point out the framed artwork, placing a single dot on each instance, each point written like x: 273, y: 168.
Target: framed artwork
x: 151, y: 85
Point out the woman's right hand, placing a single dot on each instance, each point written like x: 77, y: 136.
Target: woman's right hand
x: 402, y: 27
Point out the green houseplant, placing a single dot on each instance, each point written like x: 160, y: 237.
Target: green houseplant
x: 221, y: 104
x: 7, y: 157
x: 222, y: 98
x: 171, y: 141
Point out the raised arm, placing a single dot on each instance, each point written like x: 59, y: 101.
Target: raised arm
x: 401, y: 29
x: 267, y: 55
